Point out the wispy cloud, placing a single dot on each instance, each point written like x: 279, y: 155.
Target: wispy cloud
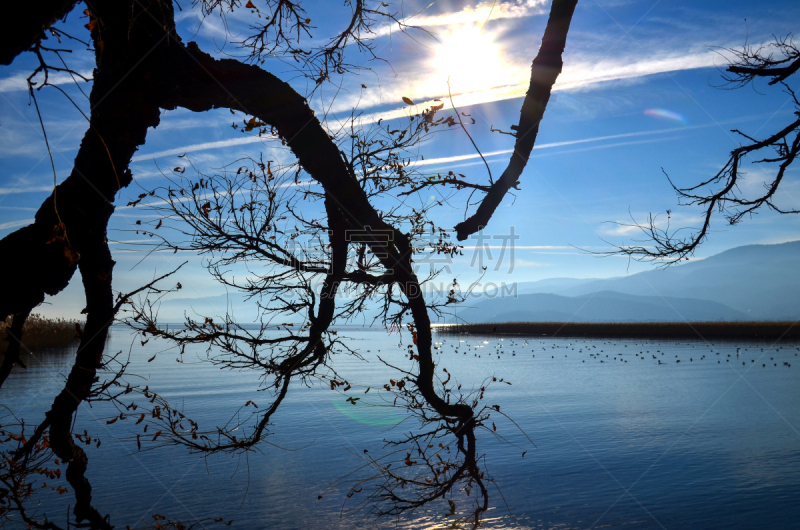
x: 20, y: 81
x: 470, y: 15
x: 204, y: 146
x: 580, y: 73
x: 25, y: 189
x: 531, y: 247
x: 197, y: 148
x: 459, y: 158
x: 528, y: 263
x: 240, y: 193
x: 14, y: 224
x: 635, y: 225
x: 177, y: 120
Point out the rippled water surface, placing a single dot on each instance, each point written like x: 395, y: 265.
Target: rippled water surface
x: 621, y: 435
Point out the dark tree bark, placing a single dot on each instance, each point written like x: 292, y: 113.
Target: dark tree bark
x: 777, y: 74
x: 14, y: 339
x: 23, y: 23
x: 207, y: 83
x: 70, y: 226
x: 123, y: 105
x: 203, y: 83
x: 96, y: 269
x: 545, y: 70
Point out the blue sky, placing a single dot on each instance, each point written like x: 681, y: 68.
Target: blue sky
x: 639, y: 92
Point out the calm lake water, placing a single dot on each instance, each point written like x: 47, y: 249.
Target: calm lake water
x: 621, y: 440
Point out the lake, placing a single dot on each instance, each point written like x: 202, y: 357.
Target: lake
x: 623, y: 433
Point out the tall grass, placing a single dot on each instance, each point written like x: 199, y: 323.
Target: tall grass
x: 40, y: 333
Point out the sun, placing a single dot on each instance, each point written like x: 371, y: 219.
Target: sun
x: 470, y: 58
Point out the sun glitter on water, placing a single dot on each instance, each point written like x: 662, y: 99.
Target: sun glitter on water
x: 470, y: 58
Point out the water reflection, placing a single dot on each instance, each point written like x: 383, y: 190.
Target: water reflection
x: 624, y: 435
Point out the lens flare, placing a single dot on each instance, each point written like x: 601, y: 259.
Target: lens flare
x: 368, y: 413
x: 665, y: 114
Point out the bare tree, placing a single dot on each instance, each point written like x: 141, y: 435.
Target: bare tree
x: 721, y: 193
x: 142, y: 67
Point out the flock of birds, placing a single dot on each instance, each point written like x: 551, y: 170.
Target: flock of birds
x: 620, y: 351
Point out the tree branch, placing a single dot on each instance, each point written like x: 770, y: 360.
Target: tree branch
x: 544, y: 71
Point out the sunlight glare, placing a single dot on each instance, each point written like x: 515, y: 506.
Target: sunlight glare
x: 470, y: 58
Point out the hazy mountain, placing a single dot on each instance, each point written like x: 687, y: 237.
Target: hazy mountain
x: 551, y: 285
x: 754, y: 282
x: 604, y: 306
x: 197, y: 308
x: 761, y: 281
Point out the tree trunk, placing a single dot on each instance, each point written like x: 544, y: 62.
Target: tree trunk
x: 41, y: 258
x: 23, y: 23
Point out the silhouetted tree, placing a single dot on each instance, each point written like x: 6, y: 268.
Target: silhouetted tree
x: 777, y: 151
x: 143, y: 67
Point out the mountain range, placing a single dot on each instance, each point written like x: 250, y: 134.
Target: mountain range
x: 753, y: 282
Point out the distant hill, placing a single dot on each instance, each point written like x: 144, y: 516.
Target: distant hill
x: 754, y: 282
x: 604, y: 306
x: 760, y: 281
x: 215, y: 306
x: 551, y: 285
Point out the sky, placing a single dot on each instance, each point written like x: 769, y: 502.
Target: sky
x: 640, y: 96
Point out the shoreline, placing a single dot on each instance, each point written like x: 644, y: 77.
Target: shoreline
x: 750, y: 331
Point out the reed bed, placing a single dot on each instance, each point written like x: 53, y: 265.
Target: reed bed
x: 40, y: 333
x: 738, y: 331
